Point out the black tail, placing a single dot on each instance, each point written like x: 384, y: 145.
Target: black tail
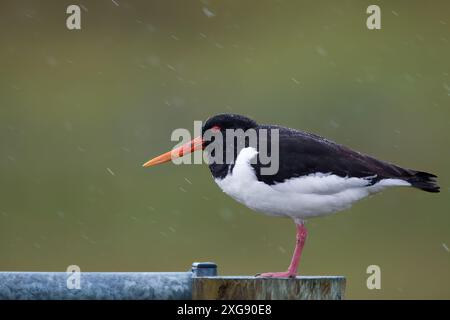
x: 424, y: 181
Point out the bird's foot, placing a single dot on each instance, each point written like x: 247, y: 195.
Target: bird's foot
x: 285, y: 274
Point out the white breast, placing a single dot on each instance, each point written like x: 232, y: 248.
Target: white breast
x: 299, y: 198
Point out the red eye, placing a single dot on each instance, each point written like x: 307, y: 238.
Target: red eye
x: 215, y: 129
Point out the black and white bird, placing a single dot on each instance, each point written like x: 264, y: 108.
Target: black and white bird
x: 315, y: 177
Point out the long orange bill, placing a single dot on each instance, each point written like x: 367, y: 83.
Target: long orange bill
x: 191, y: 146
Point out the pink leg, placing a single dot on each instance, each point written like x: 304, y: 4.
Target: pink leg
x: 302, y: 233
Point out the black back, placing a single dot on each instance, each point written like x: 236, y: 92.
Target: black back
x: 302, y: 153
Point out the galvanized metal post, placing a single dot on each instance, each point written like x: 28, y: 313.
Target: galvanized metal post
x: 96, y: 286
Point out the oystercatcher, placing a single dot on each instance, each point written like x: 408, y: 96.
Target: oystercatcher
x: 315, y: 176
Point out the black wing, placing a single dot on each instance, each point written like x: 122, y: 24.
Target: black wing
x: 303, y: 153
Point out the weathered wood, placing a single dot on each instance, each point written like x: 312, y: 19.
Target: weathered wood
x: 254, y: 288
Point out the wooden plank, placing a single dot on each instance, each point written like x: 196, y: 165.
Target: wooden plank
x: 254, y: 288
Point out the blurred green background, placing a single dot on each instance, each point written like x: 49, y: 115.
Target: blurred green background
x: 80, y: 111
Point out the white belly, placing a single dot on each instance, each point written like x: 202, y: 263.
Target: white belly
x: 299, y: 198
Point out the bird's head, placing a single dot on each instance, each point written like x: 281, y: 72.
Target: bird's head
x: 226, y: 121
x: 219, y: 122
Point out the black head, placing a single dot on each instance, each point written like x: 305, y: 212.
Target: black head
x: 224, y: 122
x: 229, y: 121
x: 220, y: 123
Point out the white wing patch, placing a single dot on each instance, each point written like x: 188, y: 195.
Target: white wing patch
x: 320, y: 183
